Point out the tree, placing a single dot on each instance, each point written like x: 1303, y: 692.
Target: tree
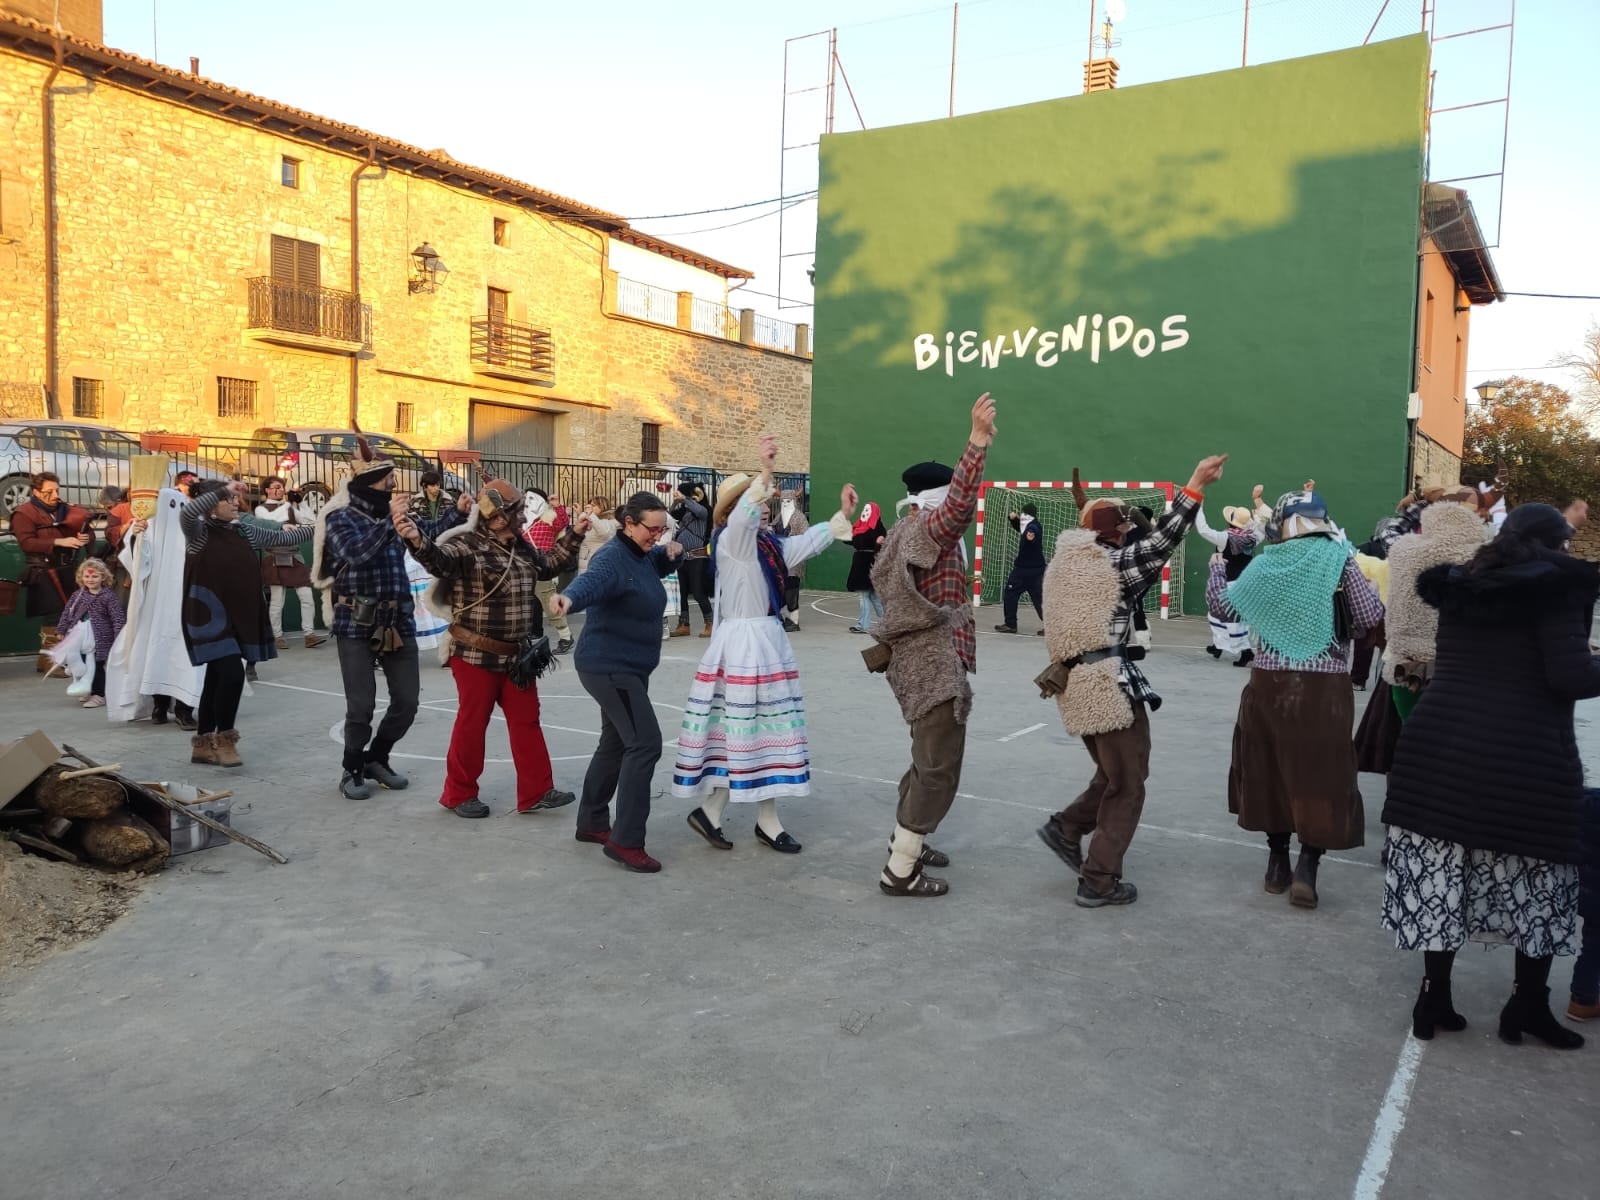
x: 1586, y: 366
x: 1536, y: 431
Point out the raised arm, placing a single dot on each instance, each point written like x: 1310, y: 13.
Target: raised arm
x: 1139, y: 565
x: 817, y: 538
x: 948, y: 523
x: 1203, y: 528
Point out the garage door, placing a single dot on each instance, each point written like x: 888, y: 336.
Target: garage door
x: 505, y: 431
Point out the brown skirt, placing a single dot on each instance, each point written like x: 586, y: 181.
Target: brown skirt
x: 1294, y: 769
x: 1379, y: 731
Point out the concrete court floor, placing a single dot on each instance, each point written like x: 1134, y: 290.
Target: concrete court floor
x: 423, y: 1006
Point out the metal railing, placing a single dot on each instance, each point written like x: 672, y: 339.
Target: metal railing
x: 316, y: 312
x: 498, y: 342
x: 647, y: 302
x: 717, y: 320
x: 771, y: 332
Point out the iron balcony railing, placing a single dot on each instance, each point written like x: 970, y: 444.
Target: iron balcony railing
x: 499, y: 342
x: 313, y: 311
x: 646, y: 302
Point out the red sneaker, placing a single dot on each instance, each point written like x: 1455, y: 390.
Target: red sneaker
x: 632, y: 857
x: 598, y: 836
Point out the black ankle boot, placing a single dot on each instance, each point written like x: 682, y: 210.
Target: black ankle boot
x: 1303, y: 891
x: 1435, y: 1010
x: 1277, y: 881
x: 1528, y: 1011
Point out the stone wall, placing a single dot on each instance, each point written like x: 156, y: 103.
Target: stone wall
x: 166, y: 212
x: 1433, y: 464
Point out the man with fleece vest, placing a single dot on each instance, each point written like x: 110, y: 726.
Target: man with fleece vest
x: 1092, y: 587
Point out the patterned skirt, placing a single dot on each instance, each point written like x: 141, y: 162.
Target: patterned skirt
x: 1439, y: 894
x: 744, y: 724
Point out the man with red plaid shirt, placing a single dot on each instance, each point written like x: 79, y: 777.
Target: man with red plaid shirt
x: 921, y: 577
x: 486, y: 575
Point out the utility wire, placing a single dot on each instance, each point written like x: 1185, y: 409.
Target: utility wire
x: 731, y: 224
x: 701, y: 212
x: 1550, y: 296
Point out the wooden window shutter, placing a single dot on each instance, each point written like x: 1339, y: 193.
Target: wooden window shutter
x: 499, y: 304
x: 308, y: 271
x: 296, y: 263
x: 283, y: 258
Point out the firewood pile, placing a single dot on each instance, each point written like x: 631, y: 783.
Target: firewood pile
x: 78, y: 811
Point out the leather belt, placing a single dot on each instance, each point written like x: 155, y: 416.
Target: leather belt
x: 1094, y: 656
x: 478, y: 641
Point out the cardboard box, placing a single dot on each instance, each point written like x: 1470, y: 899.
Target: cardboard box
x: 24, y: 761
x: 184, y: 834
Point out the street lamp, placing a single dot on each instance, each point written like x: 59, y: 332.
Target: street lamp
x: 1487, y: 392
x: 427, y: 272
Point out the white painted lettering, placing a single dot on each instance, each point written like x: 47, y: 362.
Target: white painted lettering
x: 1172, y: 329
x: 1047, y: 356
x: 1143, y: 342
x: 1071, y: 335
x: 1118, y: 330
x: 926, y: 351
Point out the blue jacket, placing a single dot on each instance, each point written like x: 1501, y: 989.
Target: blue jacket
x: 626, y: 600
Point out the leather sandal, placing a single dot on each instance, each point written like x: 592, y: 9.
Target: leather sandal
x: 915, y: 884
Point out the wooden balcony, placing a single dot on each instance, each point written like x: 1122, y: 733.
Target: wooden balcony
x: 509, y: 349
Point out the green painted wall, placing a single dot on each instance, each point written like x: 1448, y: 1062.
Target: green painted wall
x: 1270, y: 214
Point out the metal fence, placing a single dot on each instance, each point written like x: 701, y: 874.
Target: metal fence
x: 771, y: 332
x: 647, y: 302
x: 717, y: 320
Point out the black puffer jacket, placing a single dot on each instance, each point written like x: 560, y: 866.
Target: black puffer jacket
x: 1488, y: 759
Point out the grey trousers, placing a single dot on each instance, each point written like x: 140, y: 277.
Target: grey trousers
x: 625, y: 760
x: 358, y: 664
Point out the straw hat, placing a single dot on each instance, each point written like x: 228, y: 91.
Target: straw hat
x: 1237, y: 515
x: 728, y: 495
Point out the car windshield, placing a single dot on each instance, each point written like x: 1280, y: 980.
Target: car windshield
x: 111, y: 444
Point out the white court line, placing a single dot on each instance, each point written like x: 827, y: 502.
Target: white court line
x: 1188, y: 833
x: 1011, y: 737
x: 1390, y: 1121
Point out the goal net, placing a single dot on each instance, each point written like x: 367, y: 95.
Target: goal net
x: 997, y: 538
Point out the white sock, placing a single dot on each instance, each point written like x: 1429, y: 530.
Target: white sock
x: 714, y: 806
x: 905, y: 848
x: 767, y: 819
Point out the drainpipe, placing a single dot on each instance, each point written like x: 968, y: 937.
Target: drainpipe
x: 355, y: 278
x: 47, y: 109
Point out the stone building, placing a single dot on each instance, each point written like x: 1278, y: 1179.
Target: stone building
x: 179, y: 256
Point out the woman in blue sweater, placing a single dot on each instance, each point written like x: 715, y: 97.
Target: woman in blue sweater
x: 620, y: 647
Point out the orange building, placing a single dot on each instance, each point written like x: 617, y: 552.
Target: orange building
x: 1455, y: 273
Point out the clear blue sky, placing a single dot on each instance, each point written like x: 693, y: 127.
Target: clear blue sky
x: 647, y: 108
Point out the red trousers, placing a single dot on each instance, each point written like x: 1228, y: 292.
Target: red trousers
x: 478, y: 690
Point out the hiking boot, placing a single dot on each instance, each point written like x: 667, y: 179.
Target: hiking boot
x: 353, y: 787
x: 1067, y: 848
x: 598, y: 837
x: 227, y: 748
x: 1577, y: 1010
x: 204, y: 749
x: 706, y: 632
x: 1303, y: 890
x: 632, y: 857
x: 564, y: 646
x: 471, y: 809
x: 681, y: 631
x: 385, y: 776
x: 1005, y: 628
x: 1278, y: 873
x: 554, y: 798
x: 1120, y: 893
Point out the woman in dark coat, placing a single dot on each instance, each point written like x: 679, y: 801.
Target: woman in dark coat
x: 866, y: 535
x: 1486, y: 792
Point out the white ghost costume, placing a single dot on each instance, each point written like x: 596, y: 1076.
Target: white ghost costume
x: 149, y: 657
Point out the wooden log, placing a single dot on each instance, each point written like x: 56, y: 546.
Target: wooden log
x: 84, y: 798
x: 44, y: 847
x: 204, y: 818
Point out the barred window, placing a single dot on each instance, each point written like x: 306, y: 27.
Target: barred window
x: 89, y: 399
x: 236, y: 397
x: 650, y: 443
x: 405, y: 417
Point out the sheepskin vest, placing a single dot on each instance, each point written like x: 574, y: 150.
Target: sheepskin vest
x: 925, y: 670
x: 1450, y: 535
x: 1081, y: 594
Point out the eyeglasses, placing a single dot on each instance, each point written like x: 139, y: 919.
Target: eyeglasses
x: 654, y: 531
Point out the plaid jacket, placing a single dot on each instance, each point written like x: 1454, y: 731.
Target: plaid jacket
x: 474, y: 566
x: 1138, y: 565
x: 368, y: 558
x: 946, y: 583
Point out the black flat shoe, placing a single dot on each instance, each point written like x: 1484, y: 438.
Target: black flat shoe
x: 701, y: 824
x: 783, y: 843
x: 471, y: 808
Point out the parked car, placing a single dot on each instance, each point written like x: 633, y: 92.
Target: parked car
x: 84, y: 456
x: 314, y: 461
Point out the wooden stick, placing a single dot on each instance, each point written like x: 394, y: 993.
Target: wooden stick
x: 194, y: 814
x: 82, y: 771
x: 43, y: 847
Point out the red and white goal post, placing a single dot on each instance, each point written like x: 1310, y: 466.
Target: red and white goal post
x: 1129, y: 492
